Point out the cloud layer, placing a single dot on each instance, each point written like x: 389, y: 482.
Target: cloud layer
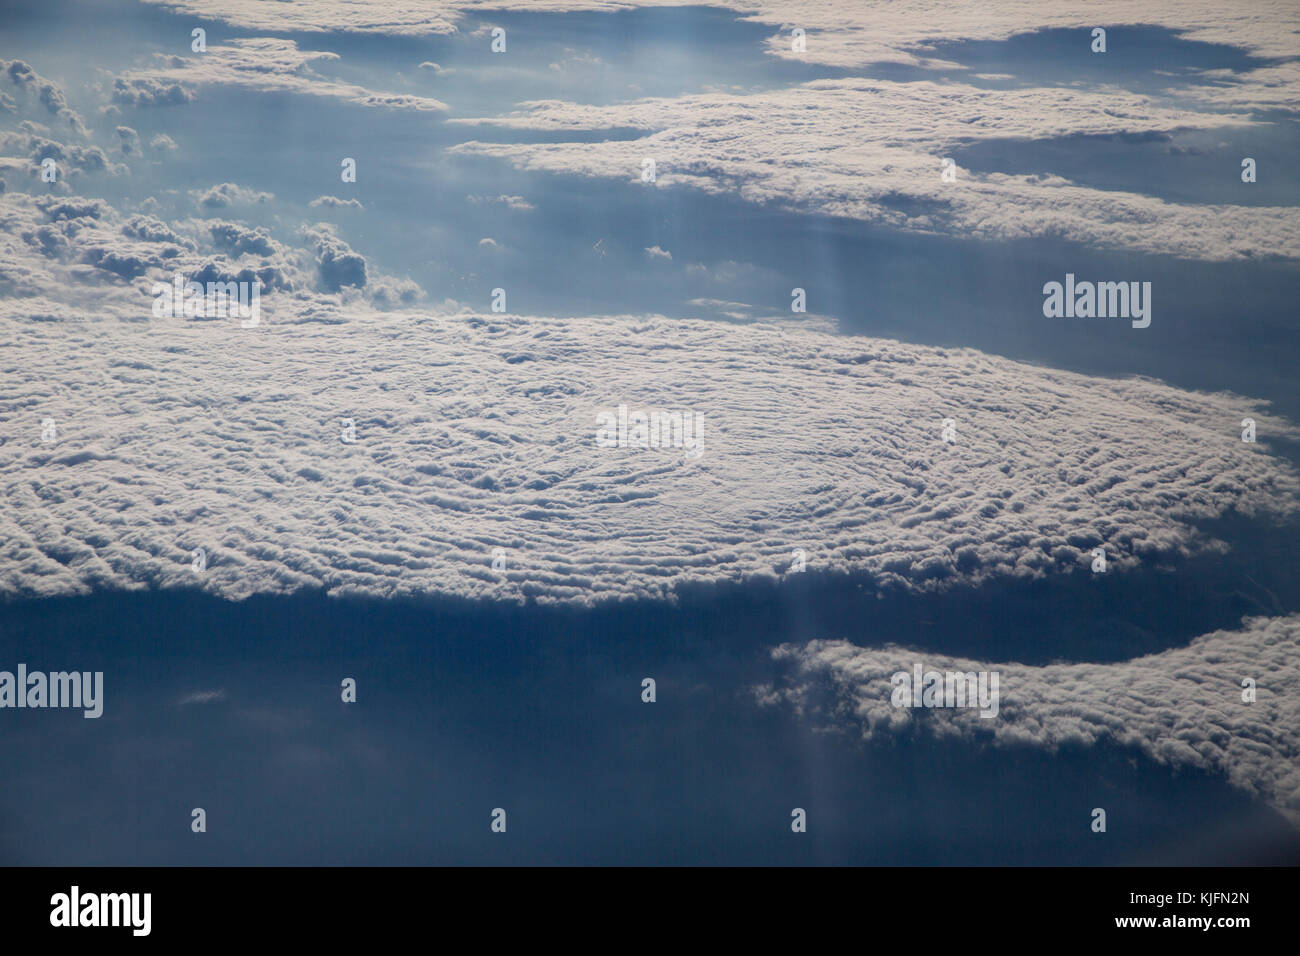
x: 1181, y: 707
x: 855, y: 148
x: 476, y: 432
x: 841, y: 32
x: 265, y: 64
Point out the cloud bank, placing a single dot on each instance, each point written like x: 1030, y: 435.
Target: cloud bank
x: 476, y: 432
x: 854, y: 148
x: 1182, y: 707
x: 844, y: 33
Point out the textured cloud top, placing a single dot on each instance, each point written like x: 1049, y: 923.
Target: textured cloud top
x: 1182, y: 707
x: 476, y: 432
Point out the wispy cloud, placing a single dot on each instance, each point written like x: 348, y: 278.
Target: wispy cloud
x: 202, y: 697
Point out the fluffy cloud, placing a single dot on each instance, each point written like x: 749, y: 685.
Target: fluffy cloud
x: 475, y: 432
x: 854, y: 148
x: 239, y: 240
x: 48, y: 93
x: 143, y: 91
x: 1182, y: 707
x: 73, y: 160
x: 333, y: 202
x: 846, y: 33
x: 400, y: 18
x: 58, y: 250
x: 387, y: 292
x: 228, y: 194
x: 129, y: 139
x: 339, y: 266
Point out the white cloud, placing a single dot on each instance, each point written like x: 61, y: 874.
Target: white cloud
x: 46, y: 92
x: 654, y: 252
x: 228, y: 194
x: 259, y: 63
x: 855, y: 148
x: 732, y: 310
x: 477, y: 431
x: 850, y: 34
x: 333, y: 202
x: 1181, y: 707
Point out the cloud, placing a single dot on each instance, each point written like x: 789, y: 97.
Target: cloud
x: 58, y: 250
x: 129, y: 139
x: 576, y: 59
x: 202, y: 697
x: 333, y: 202
x: 163, y: 143
x: 1265, y: 88
x: 487, y: 242
x: 239, y: 240
x: 73, y: 160
x: 71, y: 208
x: 48, y: 94
x: 732, y: 310
x: 852, y: 35
x: 517, y: 203
x: 153, y: 230
x: 842, y: 33
x: 339, y: 266
x: 265, y: 64
x: 478, y: 431
x: 387, y: 293
x: 229, y: 194
x: 140, y: 92
x: 654, y: 252
x: 1181, y: 707
x: 853, y: 148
